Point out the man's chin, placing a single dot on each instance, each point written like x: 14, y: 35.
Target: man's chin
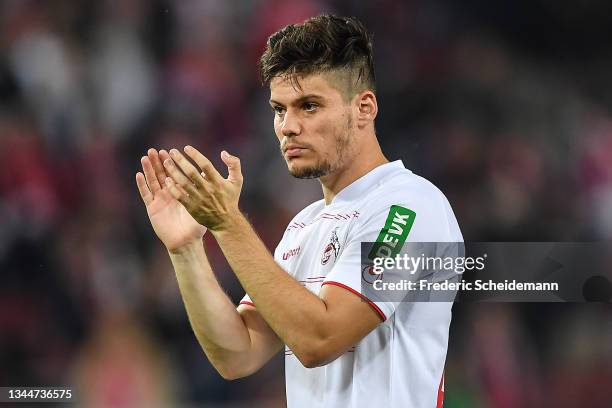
x: 308, y: 172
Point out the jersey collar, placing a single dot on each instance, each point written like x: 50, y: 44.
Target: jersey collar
x: 368, y: 182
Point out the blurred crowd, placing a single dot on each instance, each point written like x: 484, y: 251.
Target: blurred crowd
x: 511, y: 116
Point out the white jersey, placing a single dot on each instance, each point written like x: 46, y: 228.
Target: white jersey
x: 401, y: 362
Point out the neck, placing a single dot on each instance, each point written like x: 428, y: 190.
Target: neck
x: 356, y: 168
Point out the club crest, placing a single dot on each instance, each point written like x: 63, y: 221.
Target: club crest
x: 332, y: 247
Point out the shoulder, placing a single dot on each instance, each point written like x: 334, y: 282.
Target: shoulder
x: 310, y: 210
x: 403, y: 188
x: 307, y: 214
x: 410, y: 195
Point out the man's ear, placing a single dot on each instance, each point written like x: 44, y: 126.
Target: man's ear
x: 367, y: 107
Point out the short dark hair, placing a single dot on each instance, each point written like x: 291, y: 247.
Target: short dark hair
x: 320, y: 44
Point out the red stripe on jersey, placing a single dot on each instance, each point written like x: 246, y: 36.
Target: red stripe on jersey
x: 440, y: 403
x: 376, y: 308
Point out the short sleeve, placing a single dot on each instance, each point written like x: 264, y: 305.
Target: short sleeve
x: 395, y: 223
x: 347, y: 271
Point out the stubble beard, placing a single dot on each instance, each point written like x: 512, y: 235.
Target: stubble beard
x: 324, y: 166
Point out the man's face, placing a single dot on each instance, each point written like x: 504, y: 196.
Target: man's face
x: 314, y: 125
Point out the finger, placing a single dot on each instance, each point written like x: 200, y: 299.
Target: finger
x: 157, y: 165
x: 233, y: 167
x: 175, y: 191
x: 189, y: 169
x: 150, y: 176
x: 163, y: 156
x: 178, y: 177
x: 182, y: 190
x: 143, y: 189
x: 207, y: 167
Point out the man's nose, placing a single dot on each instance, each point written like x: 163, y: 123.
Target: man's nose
x: 291, y: 125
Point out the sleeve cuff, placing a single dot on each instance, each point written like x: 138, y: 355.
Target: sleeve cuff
x: 377, y: 309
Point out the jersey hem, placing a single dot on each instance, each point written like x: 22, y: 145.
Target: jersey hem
x: 372, y: 304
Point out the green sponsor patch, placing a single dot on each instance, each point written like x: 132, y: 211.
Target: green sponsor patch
x: 393, y: 235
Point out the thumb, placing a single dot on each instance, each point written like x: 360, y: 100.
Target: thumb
x: 233, y: 167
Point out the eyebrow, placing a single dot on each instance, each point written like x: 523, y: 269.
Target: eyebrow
x: 300, y: 100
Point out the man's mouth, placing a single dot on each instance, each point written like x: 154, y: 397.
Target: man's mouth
x: 294, y: 151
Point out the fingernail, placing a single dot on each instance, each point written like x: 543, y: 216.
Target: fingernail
x: 188, y: 148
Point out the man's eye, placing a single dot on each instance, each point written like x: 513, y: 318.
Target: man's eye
x: 278, y: 110
x: 310, y: 106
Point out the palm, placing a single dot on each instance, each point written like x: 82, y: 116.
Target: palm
x: 172, y: 223
x: 174, y: 226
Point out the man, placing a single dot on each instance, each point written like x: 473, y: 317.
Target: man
x: 341, y: 351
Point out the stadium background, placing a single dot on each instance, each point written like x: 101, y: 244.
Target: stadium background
x: 506, y: 106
